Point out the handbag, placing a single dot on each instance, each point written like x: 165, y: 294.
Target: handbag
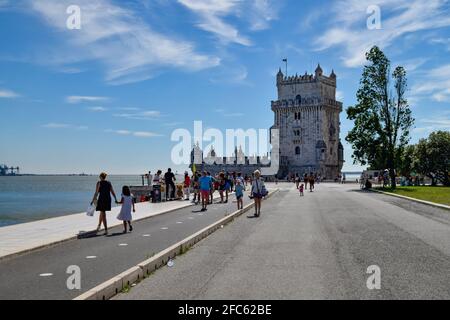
x: 90, y: 210
x: 264, y: 191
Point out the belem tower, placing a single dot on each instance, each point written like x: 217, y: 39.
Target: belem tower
x: 306, y: 114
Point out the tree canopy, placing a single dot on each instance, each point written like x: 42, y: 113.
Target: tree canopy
x: 382, y: 117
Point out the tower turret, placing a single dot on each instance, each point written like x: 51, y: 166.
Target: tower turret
x: 319, y: 71
x: 280, y: 76
x: 333, y: 75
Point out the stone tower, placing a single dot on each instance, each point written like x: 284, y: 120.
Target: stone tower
x: 307, y: 116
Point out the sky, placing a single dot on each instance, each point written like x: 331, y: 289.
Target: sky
x: 108, y: 96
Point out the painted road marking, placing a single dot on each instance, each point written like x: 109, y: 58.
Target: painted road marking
x: 91, y: 257
x: 123, y: 244
x: 179, y: 222
x: 164, y: 228
x: 46, y: 275
x: 146, y: 235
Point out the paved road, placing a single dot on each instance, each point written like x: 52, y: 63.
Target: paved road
x: 100, y: 258
x: 316, y: 247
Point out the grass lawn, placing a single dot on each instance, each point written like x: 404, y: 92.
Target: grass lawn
x: 433, y: 194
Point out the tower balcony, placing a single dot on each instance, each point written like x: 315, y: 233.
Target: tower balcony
x: 305, y: 102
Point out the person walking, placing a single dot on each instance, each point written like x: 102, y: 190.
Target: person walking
x: 239, y: 188
x: 257, y: 191
x: 222, y: 182
x: 301, y: 189
x: 125, y: 212
x: 297, y: 180
x: 205, y: 187
x: 211, y: 192
x: 102, y: 196
x: 311, y: 183
x: 169, y: 179
x: 187, y: 186
x: 196, y: 187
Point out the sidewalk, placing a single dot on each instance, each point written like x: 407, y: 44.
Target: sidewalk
x: 32, y: 235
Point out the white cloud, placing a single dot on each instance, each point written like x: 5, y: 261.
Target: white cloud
x: 97, y: 109
x: 128, y: 47
x: 262, y: 12
x: 432, y: 124
x: 128, y: 109
x: 54, y: 125
x: 442, y: 41
x: 70, y: 70
x: 228, y: 114
x: 81, y: 99
x: 339, y: 95
x: 211, y: 13
x: 139, y: 134
x: 398, y: 18
x: 231, y: 75
x: 412, y: 65
x: 145, y: 134
x: 435, y: 84
x: 142, y: 115
x: 4, y: 93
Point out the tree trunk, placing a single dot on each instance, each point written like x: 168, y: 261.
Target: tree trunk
x: 392, y: 175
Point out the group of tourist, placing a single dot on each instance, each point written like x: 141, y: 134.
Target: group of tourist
x: 306, y: 179
x: 203, y: 185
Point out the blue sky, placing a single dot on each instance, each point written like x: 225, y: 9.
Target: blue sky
x: 108, y: 96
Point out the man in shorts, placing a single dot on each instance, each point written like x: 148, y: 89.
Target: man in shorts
x: 205, y: 188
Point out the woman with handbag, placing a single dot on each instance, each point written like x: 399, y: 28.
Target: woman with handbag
x: 258, y: 192
x: 103, y: 190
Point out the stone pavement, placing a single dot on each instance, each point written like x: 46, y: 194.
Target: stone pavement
x: 316, y: 247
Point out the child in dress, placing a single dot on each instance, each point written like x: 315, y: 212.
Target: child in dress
x: 239, y: 194
x: 125, y: 212
x: 301, y: 190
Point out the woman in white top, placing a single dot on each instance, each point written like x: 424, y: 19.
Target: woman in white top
x: 157, y: 178
x: 258, y: 190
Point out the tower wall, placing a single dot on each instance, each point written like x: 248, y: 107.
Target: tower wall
x: 307, y: 115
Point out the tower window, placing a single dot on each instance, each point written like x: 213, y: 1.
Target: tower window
x: 297, y: 150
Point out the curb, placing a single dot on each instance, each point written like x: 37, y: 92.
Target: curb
x: 135, y: 274
x: 80, y: 236
x: 432, y: 204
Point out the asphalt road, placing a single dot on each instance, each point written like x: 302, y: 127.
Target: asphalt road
x: 316, y: 247
x: 42, y: 274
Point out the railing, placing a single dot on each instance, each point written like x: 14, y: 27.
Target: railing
x: 305, y: 102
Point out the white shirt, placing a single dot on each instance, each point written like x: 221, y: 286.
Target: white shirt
x: 157, y: 180
x: 257, y: 185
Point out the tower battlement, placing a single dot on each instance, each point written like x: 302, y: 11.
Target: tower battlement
x: 310, y: 86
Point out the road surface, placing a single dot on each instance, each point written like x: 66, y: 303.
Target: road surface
x: 316, y: 247
x: 42, y: 274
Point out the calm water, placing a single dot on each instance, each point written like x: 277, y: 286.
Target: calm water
x: 29, y: 198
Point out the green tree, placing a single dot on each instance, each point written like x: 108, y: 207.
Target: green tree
x: 432, y: 157
x: 381, y: 116
x: 406, y: 160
